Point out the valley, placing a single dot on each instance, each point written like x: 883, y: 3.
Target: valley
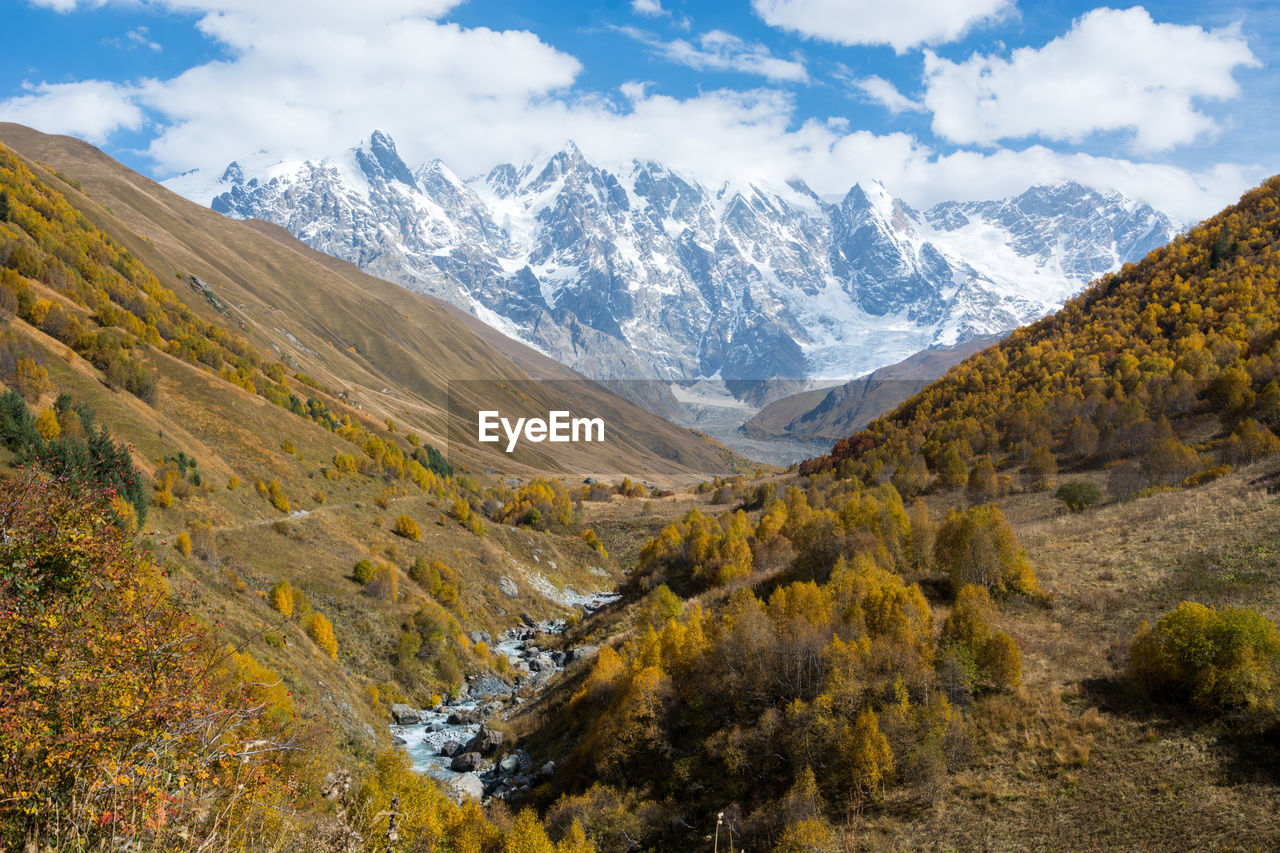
x: 1041, y: 585
x: 634, y: 272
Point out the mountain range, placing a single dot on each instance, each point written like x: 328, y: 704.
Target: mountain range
x: 638, y: 272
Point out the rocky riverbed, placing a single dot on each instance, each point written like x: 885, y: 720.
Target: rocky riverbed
x: 451, y: 742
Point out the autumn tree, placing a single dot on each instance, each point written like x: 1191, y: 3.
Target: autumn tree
x: 120, y: 716
x: 1042, y: 468
x: 320, y: 630
x: 1218, y: 660
x: 983, y: 485
x: 977, y: 546
x: 281, y: 598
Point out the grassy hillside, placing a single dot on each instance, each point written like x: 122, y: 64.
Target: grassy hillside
x: 394, y: 353
x: 283, y: 422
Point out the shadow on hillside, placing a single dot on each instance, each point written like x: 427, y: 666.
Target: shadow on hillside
x: 1248, y: 755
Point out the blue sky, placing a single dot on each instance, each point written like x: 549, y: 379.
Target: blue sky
x: 1174, y: 103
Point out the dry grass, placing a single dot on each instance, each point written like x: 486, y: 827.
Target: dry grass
x: 1075, y: 761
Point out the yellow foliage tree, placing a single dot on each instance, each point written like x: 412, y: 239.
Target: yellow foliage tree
x: 47, y: 425
x: 527, y: 835
x: 977, y: 546
x: 281, y: 598
x: 408, y: 528
x: 320, y: 630
x: 867, y: 751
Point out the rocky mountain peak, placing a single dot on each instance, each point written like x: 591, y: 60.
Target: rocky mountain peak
x: 645, y: 273
x: 379, y: 160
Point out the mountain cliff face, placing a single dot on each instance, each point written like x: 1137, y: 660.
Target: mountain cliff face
x: 639, y: 272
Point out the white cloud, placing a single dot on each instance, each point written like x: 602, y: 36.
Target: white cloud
x: 135, y: 38
x: 880, y: 91
x: 57, y: 5
x: 306, y: 85
x: 91, y: 109
x: 902, y: 24
x: 1113, y: 71
x: 720, y: 51
x: 652, y: 8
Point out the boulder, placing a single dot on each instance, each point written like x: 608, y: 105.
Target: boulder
x: 509, y: 763
x: 466, y: 786
x: 508, y: 587
x: 547, y: 769
x: 405, y: 715
x: 465, y: 762
x: 486, y: 741
x: 480, y: 637
x: 581, y: 653
x: 464, y: 717
x: 489, y: 686
x: 541, y: 663
x: 450, y: 748
x: 558, y: 658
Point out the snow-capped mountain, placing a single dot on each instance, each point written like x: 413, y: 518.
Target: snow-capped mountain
x: 639, y: 272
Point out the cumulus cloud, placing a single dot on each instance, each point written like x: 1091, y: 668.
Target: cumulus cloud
x: 1113, y: 71
x: 91, y: 109
x: 902, y: 24
x: 314, y: 84
x: 720, y: 51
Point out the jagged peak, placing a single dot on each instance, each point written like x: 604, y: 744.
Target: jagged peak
x: 233, y: 174
x: 379, y: 159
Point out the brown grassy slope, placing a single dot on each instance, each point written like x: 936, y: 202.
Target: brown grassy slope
x: 293, y: 302
x: 393, y: 351
x: 1077, y: 760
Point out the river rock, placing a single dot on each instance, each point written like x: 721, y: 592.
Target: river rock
x: 466, y: 786
x: 465, y: 717
x: 450, y: 748
x: 489, y: 685
x: 540, y: 663
x: 465, y: 762
x: 485, y: 742
x: 558, y: 658
x: 404, y: 715
x: 508, y: 587
x: 581, y: 653
x: 509, y: 763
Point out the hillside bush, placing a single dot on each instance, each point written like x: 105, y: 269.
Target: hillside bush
x: 408, y: 528
x: 1078, y: 495
x: 320, y: 630
x: 281, y: 598
x: 1218, y: 661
